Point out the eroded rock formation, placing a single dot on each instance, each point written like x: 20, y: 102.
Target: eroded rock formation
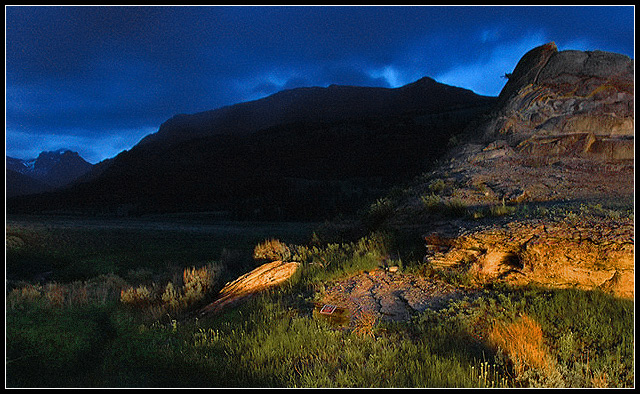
x: 262, y: 278
x: 580, y: 253
x: 563, y: 132
x: 568, y: 103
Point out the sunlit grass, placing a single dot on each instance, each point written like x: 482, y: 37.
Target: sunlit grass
x: 83, y: 333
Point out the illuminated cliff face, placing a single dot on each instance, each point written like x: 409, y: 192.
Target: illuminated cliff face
x: 569, y: 103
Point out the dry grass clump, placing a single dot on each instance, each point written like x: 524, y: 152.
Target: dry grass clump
x: 272, y: 249
x: 25, y: 294
x: 58, y: 295
x: 522, y: 341
x: 139, y: 296
x: 365, y: 323
x: 197, y: 283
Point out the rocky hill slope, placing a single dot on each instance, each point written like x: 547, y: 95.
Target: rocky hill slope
x: 542, y: 190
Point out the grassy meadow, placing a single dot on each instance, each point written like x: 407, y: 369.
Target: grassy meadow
x: 110, y: 303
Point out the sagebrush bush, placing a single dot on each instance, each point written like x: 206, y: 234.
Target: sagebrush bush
x: 379, y: 212
x: 171, y: 296
x: 136, y: 296
x: 451, y: 207
x: 24, y: 295
x: 55, y: 294
x: 100, y: 290
x: 197, y: 283
x: 437, y: 186
x: 272, y: 249
x: 203, y: 277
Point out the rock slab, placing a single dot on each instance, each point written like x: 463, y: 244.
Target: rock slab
x: 262, y: 278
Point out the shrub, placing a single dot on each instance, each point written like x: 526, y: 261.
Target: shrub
x: 24, y: 295
x: 451, y: 207
x: 456, y: 208
x: 171, y: 297
x: 136, y: 296
x: 501, y: 210
x: 379, y: 212
x: 437, y: 186
x: 55, y: 294
x: 522, y: 341
x: 272, y: 249
x: 202, y: 277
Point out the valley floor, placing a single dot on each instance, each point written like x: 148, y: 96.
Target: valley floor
x: 118, y: 311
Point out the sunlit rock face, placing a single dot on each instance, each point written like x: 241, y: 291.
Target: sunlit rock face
x: 562, y: 133
x: 569, y: 103
x: 585, y: 253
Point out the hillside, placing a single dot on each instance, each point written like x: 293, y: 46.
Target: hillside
x: 308, y: 153
x: 316, y: 105
x: 542, y: 191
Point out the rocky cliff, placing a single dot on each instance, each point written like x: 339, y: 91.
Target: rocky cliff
x: 569, y: 103
x: 545, y: 183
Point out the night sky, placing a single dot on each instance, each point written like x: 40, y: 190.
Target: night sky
x: 98, y: 79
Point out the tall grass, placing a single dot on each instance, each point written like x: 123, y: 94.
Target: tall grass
x: 547, y: 338
x: 81, y: 334
x: 522, y: 341
x: 278, y: 347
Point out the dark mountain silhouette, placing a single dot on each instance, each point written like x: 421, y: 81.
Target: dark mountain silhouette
x: 316, y: 105
x: 306, y: 153
x: 50, y: 170
x: 18, y: 184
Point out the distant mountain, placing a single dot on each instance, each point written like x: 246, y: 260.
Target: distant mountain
x: 50, y: 170
x: 306, y: 153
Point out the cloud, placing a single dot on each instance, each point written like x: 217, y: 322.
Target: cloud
x: 389, y: 74
x: 95, y: 72
x: 484, y: 74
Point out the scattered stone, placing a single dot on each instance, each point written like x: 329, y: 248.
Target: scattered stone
x: 389, y: 296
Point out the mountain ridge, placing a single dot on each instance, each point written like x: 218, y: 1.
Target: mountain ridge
x: 312, y: 104
x: 300, y: 153
x: 49, y: 171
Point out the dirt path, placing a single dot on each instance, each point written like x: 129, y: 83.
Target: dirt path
x: 391, y: 296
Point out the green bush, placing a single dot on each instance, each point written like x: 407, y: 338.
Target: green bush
x: 450, y: 207
x: 379, y: 212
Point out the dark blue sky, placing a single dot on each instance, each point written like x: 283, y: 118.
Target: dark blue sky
x: 98, y: 79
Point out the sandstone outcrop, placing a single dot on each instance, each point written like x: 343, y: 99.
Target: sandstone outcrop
x: 562, y: 133
x: 262, y: 278
x: 568, y: 103
x: 580, y: 253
